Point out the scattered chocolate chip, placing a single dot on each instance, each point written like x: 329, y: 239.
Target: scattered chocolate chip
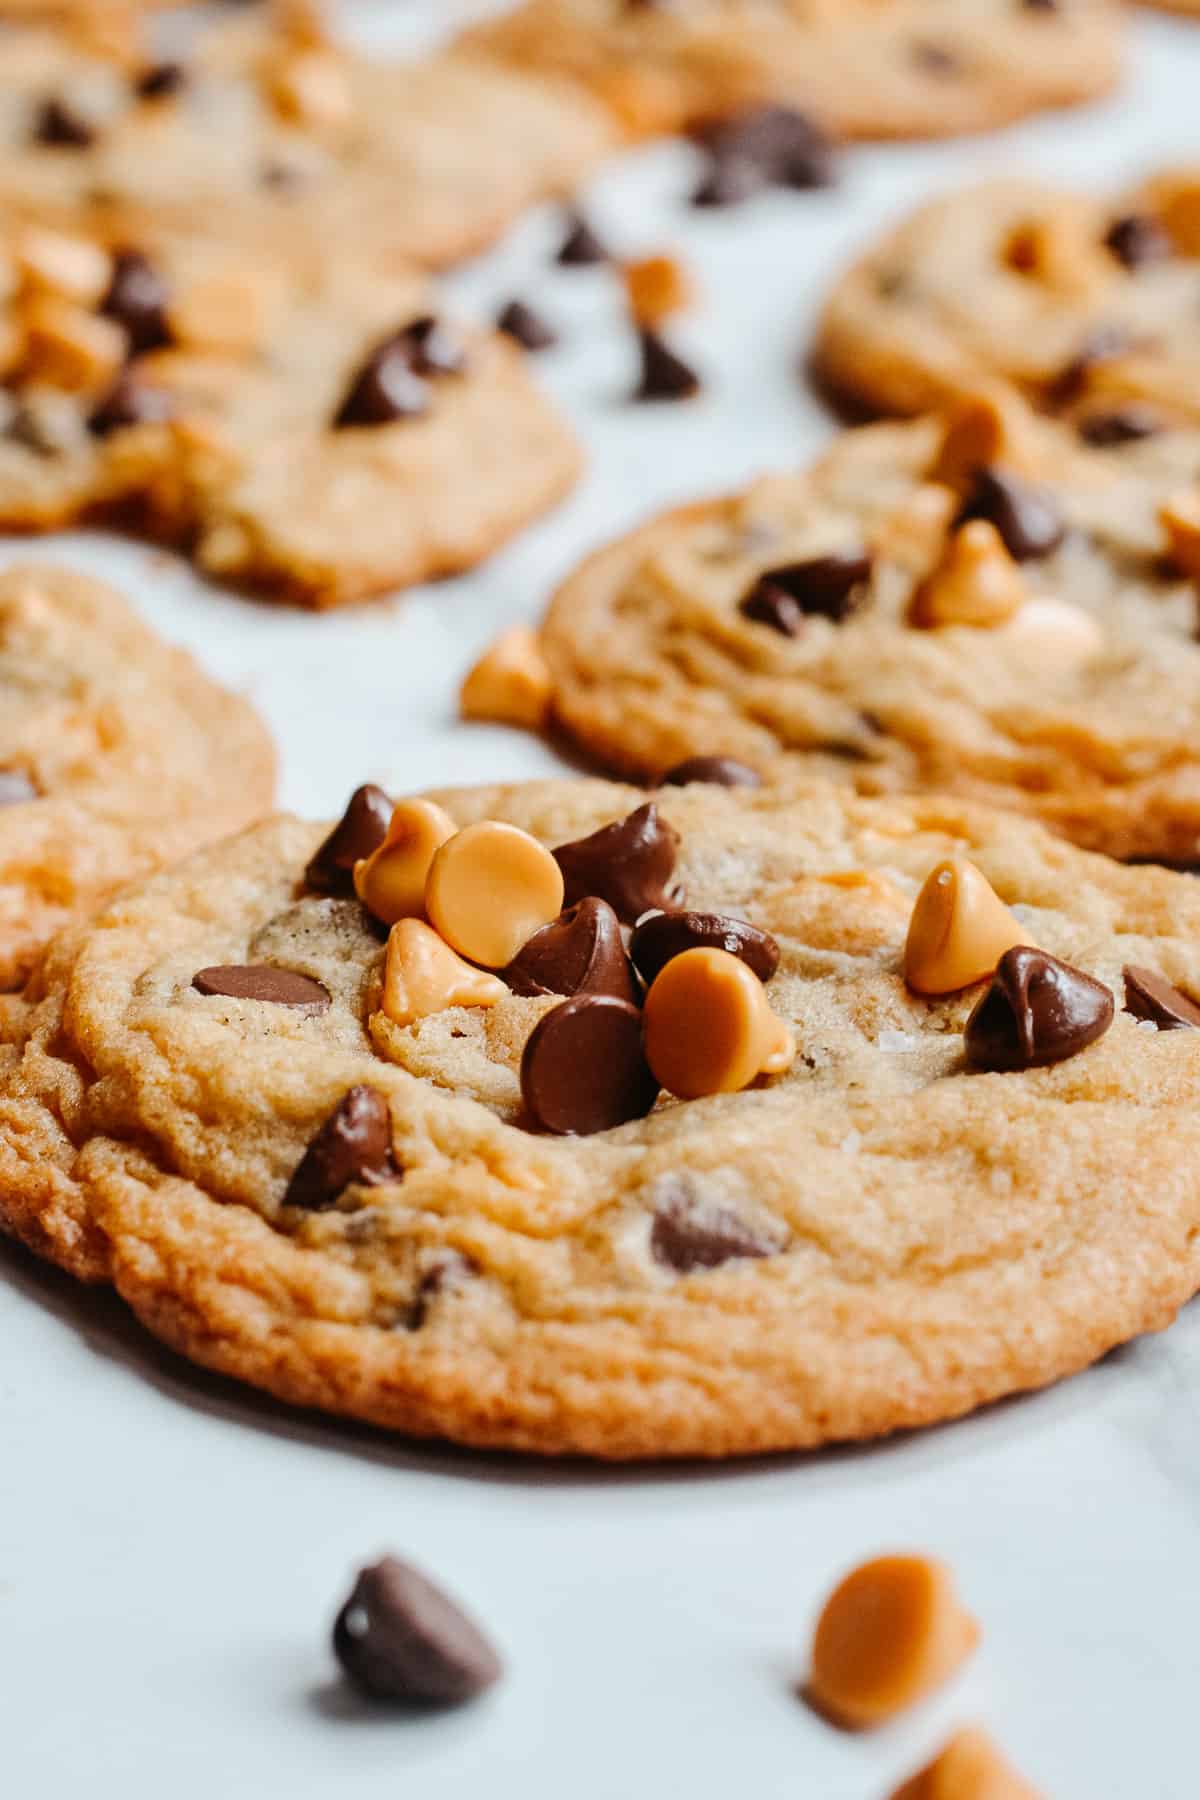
x: 160, y: 81
x: 584, y: 1069
x: 137, y: 298
x: 1100, y: 345
x: 667, y: 934
x: 353, y: 1145
x: 1137, y: 239
x: 664, y: 376
x: 452, y: 1270
x: 1037, y: 1010
x: 580, y: 245
x: 360, y: 830
x: 384, y: 388
x: 57, y: 124
x: 692, y: 1233
x: 398, y: 1637
x: 1123, y: 425
x: 729, y: 181
x: 830, y: 587
x: 1149, y: 996
x: 628, y: 863
x: 527, y: 328
x: 263, y: 981
x: 721, y: 771
x: 937, y: 59
x: 129, y: 401
x: 774, y: 145
x: 16, y: 788
x: 1027, y: 519
x: 580, y: 952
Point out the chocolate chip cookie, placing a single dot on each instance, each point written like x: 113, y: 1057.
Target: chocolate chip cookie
x: 116, y: 754
x: 776, y: 1197
x: 904, y: 68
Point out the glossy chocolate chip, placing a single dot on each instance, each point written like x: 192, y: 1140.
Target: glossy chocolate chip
x: 829, y: 587
x: 580, y: 952
x: 1037, y: 1010
x: 360, y: 830
x: 129, y: 401
x: 160, y: 81
x: 1137, y: 239
x: 584, y: 1069
x: 1025, y: 516
x: 667, y: 934
x: 1149, y: 996
x: 16, y: 788
x: 664, y: 375
x: 137, y: 298
x: 57, y: 125
x: 353, y: 1145
x: 689, y: 1232
x: 384, y: 389
x: 263, y: 981
x: 719, y: 771
x: 398, y: 1637
x: 526, y: 327
x: 580, y: 245
x: 1123, y: 425
x: 629, y: 864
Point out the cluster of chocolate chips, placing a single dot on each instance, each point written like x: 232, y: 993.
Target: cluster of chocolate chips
x: 393, y: 382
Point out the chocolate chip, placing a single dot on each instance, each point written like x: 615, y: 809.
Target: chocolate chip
x: 263, y: 981
x: 353, y: 1145
x: 1137, y: 239
x: 360, y: 830
x: 137, y: 298
x: 129, y: 401
x: 721, y: 771
x: 16, y: 788
x: 433, y: 347
x: 1025, y: 516
x: 1037, y: 1010
x: 667, y: 934
x: 728, y: 181
x: 1123, y: 425
x: 398, y: 1637
x: 664, y: 376
x: 692, y: 1233
x: 1148, y: 996
x: 1100, y: 345
x: 629, y: 864
x: 937, y: 59
x: 584, y: 1069
x: 769, y: 144
x: 451, y: 1271
x: 580, y: 245
x: 281, y: 177
x: 57, y: 124
x: 580, y: 952
x: 830, y: 587
x: 384, y: 388
x: 160, y: 80
x: 1041, y: 6
x: 526, y: 327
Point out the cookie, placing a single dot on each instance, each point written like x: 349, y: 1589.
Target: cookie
x: 1084, y: 303
x: 116, y: 755
x: 306, y: 425
x: 896, y: 619
x: 906, y: 68
x: 204, y: 1102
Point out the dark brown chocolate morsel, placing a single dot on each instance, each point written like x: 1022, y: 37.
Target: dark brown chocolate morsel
x: 689, y: 1232
x: 16, y: 788
x: 664, y: 375
x: 580, y: 245
x: 1150, y: 996
x: 1122, y: 425
x: 629, y: 864
x: 58, y: 126
x: 937, y: 59
x: 580, y: 952
x: 433, y: 348
x: 774, y: 145
x: 728, y: 181
x: 263, y: 981
x: 584, y: 1069
x: 451, y: 1270
x: 1037, y: 1010
x: 398, y: 1637
x: 719, y: 771
x: 1137, y: 239
x: 129, y: 401
x: 353, y: 1145
x: 385, y: 388
x: 360, y: 830
x: 137, y: 298
x: 160, y: 81
x: 526, y: 327
x: 829, y: 587
x: 1027, y: 519
x: 668, y: 934
x: 1101, y: 344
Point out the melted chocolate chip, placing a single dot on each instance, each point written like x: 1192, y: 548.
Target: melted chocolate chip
x: 720, y: 771
x: 629, y: 864
x: 1137, y: 239
x: 580, y: 952
x: 353, y: 1145
x: 398, y: 1637
x: 829, y: 587
x: 137, y: 298
x: 580, y: 245
x: 584, y: 1069
x: 451, y: 1271
x: 668, y: 934
x: 57, y: 125
x: 526, y: 327
x: 664, y: 376
x: 385, y: 388
x: 1123, y: 425
x: 263, y: 981
x: 360, y: 830
x: 16, y: 788
x: 1025, y: 516
x: 690, y: 1233
x: 129, y: 401
x: 1037, y: 1010
x: 1149, y: 996
x: 160, y: 81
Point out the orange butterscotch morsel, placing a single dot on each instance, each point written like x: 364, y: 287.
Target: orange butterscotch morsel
x: 959, y: 930
x: 391, y: 881
x: 70, y: 347
x: 423, y: 975
x: 891, y: 1632
x: 983, y: 430
x: 1179, y: 517
x: 976, y: 583
x: 58, y: 263
x: 657, y: 287
x: 490, y: 887
x: 709, y: 1028
x: 969, y: 1768
x: 511, y: 683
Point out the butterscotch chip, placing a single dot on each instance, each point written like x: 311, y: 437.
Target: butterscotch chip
x: 657, y: 287
x: 969, y: 1768
x: 510, y: 684
x: 890, y: 1632
x: 311, y: 87
x: 977, y: 583
x: 1179, y: 517
x: 982, y: 430
x: 71, y: 267
x: 1057, y: 250
x: 67, y: 347
x: 423, y: 975
x: 960, y: 928
x: 490, y: 888
x: 709, y: 1027
x: 391, y: 881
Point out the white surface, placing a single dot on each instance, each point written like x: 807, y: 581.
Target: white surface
x: 171, y: 1550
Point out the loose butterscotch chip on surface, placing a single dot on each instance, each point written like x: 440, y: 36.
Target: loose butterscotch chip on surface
x: 510, y: 684
x: 969, y: 1768
x: 960, y: 928
x: 490, y: 887
x: 657, y: 287
x: 423, y: 975
x: 391, y: 881
x: 976, y: 583
x: 890, y: 1632
x: 709, y: 1027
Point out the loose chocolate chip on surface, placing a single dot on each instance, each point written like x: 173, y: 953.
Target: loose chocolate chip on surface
x: 16, y: 788
x: 1037, y: 1010
x: 580, y: 952
x: 263, y: 981
x: 768, y: 144
x: 137, y: 298
x: 160, y: 80
x: 664, y: 935
x: 353, y: 1145
x: 692, y: 1233
x: 1028, y: 521
x: 829, y: 587
x: 1149, y: 996
x: 584, y: 1069
x: 1123, y: 425
x: 385, y: 388
x: 129, y: 401
x: 720, y: 771
x: 1136, y: 240
x: 360, y: 830
x: 580, y: 246
x: 629, y: 864
x: 728, y: 181
x: 526, y: 327
x: 398, y: 1637
x: 57, y: 124
x: 664, y: 376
